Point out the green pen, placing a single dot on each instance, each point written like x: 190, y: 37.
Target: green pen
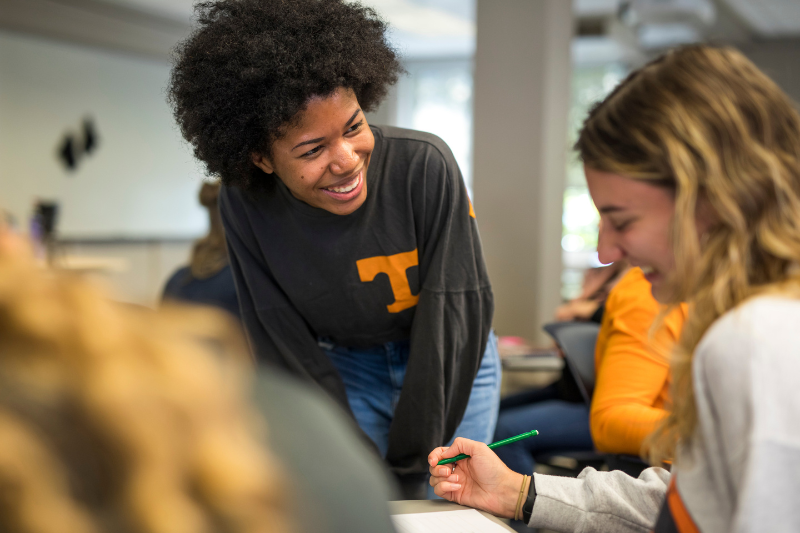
x: 492, y: 446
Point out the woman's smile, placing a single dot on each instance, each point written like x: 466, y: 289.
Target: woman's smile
x: 344, y: 192
x: 651, y: 274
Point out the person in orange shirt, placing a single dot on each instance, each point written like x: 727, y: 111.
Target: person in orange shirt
x: 632, y: 366
x: 631, y: 386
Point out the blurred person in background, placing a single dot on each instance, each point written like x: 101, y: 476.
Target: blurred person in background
x: 355, y: 248
x: 559, y: 410
x: 694, y: 165
x: 7, y: 220
x: 597, y: 283
x: 631, y: 389
x: 115, y: 418
x: 208, y: 279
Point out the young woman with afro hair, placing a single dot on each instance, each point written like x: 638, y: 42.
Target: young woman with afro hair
x: 354, y: 248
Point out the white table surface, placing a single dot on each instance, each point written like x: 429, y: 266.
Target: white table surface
x: 432, y: 506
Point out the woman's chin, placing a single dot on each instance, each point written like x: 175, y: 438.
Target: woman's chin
x: 664, y: 292
x: 659, y: 291
x: 345, y: 207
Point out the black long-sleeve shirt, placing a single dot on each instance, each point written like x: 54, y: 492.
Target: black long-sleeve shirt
x: 406, y: 265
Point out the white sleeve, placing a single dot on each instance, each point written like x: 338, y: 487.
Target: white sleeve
x: 599, y: 501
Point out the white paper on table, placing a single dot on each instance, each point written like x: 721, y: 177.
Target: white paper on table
x: 466, y: 521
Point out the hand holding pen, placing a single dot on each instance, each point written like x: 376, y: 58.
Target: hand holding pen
x: 481, y: 481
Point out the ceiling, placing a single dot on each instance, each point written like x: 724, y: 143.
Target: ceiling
x: 769, y: 18
x: 765, y: 18
x: 180, y: 10
x: 447, y: 27
x: 419, y: 27
x: 630, y: 31
x: 425, y: 28
x: 437, y: 16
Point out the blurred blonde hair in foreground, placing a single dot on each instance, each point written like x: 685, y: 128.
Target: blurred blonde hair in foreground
x: 120, y: 419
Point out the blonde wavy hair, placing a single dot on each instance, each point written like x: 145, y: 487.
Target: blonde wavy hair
x: 114, y: 418
x: 706, y: 123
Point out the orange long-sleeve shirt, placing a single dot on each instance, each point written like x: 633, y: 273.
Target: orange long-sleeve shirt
x: 632, y: 367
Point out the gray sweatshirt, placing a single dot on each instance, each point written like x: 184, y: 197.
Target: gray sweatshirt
x: 741, y: 470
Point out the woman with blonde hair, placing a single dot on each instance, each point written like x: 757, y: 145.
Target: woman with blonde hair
x: 119, y: 419
x: 208, y: 279
x: 694, y: 164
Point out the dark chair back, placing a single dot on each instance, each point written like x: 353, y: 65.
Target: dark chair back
x: 577, y: 341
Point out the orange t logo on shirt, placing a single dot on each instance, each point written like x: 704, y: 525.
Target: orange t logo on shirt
x: 395, y: 267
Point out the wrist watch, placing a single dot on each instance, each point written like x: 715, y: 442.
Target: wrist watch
x: 527, y: 507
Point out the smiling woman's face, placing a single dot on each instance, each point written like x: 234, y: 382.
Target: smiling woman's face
x: 635, y: 224
x: 323, y: 158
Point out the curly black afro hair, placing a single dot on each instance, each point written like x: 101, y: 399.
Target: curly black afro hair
x: 251, y: 66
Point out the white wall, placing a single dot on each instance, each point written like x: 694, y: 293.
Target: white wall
x: 141, y: 181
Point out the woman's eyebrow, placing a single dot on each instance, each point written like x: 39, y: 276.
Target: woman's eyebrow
x: 352, y: 118
x: 607, y: 209
x: 314, y: 141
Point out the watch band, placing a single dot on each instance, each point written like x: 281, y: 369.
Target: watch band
x: 527, y: 507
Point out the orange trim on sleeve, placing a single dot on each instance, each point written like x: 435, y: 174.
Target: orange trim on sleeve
x: 680, y: 515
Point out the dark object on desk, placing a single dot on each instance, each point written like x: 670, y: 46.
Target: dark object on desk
x: 43, y: 227
x: 46, y: 214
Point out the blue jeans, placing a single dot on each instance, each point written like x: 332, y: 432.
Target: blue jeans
x: 373, y: 379
x: 562, y: 426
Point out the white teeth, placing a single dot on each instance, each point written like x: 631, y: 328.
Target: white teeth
x: 648, y: 270
x: 349, y: 188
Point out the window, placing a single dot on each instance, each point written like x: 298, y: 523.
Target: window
x: 590, y: 84
x: 436, y: 97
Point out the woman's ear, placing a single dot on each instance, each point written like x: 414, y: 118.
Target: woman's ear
x: 262, y: 162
